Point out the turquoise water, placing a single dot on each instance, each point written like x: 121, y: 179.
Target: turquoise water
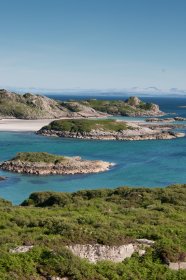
x: 137, y: 163
x: 140, y: 163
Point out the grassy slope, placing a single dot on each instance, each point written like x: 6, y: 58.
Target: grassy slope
x: 28, y: 106
x: 86, y: 125
x: 38, y: 157
x: 117, y: 107
x: 51, y: 220
x: 18, y: 106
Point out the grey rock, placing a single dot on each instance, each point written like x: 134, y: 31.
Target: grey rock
x: 21, y: 249
x: 177, y: 265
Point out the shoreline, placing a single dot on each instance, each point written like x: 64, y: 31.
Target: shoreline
x: 21, y: 125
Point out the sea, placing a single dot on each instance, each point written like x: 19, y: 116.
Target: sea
x: 153, y: 163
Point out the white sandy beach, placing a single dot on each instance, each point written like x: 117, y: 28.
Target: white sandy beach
x: 22, y: 125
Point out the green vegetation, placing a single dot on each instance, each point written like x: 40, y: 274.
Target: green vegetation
x: 50, y: 220
x: 72, y: 106
x: 84, y: 125
x: 28, y: 106
x: 119, y: 107
x: 145, y: 106
x: 38, y: 157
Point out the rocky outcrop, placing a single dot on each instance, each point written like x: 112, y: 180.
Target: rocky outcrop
x: 78, y: 110
x: 98, y: 252
x: 133, y: 101
x: 180, y: 119
x: 123, y: 136
x: 166, y: 119
x: 29, y: 106
x: 73, y: 165
x: 160, y: 120
x: 134, y: 132
x: 177, y: 265
x: 21, y: 249
x: 133, y: 106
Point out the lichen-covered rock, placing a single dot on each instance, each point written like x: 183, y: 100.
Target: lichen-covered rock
x: 97, y: 252
x: 177, y: 265
x: 21, y: 249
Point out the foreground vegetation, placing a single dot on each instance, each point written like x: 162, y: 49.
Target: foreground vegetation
x: 50, y: 221
x: 83, y: 125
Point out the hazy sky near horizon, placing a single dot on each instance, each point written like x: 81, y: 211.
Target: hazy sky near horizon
x: 96, y: 44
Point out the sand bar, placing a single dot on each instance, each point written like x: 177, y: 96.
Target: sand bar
x: 22, y: 125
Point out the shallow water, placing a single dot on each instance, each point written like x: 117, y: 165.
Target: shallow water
x: 138, y: 163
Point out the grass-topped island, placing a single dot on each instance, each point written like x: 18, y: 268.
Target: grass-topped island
x: 107, y: 129
x: 40, y: 163
x: 133, y: 107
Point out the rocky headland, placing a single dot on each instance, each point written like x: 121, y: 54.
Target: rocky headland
x: 48, y: 164
x: 133, y: 107
x: 107, y: 130
x: 29, y: 106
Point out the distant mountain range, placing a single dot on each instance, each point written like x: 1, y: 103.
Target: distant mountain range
x: 150, y: 91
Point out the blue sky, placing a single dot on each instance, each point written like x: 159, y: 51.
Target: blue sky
x: 99, y: 44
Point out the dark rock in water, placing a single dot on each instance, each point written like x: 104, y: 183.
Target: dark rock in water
x: 160, y: 120
x: 179, y: 119
x: 2, y: 178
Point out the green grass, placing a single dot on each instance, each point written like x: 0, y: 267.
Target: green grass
x: 25, y: 106
x: 86, y: 125
x: 72, y: 106
x: 38, y: 157
x: 117, y: 107
x: 51, y: 220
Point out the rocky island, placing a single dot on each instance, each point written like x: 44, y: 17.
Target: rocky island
x: 40, y: 163
x: 29, y: 106
x: 133, y: 107
x: 107, y: 130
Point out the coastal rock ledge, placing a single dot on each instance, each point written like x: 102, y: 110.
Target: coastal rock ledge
x: 48, y: 164
x: 107, y: 130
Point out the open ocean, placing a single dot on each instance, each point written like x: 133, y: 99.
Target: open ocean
x: 155, y: 163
